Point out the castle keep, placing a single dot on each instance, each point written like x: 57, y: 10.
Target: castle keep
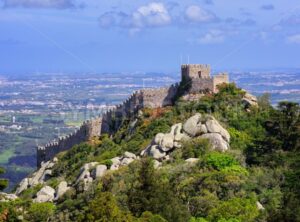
x: 196, y: 77
x: 199, y: 79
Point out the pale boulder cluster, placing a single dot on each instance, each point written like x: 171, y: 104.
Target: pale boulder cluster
x: 38, y: 177
x: 202, y: 126
x: 94, y: 170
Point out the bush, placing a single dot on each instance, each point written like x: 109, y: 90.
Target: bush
x: 219, y: 161
x: 195, y: 148
x: 40, y: 212
x: 149, y: 217
x: 239, y: 139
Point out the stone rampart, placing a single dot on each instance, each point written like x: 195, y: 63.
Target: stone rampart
x: 87, y: 130
x: 110, y: 121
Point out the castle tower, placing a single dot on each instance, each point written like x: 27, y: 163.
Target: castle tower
x: 196, y: 79
x: 195, y: 71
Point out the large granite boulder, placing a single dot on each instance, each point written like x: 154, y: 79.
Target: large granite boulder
x: 22, y: 186
x: 46, y: 175
x: 176, y: 129
x: 193, y: 126
x: 158, y: 138
x: 126, y: 161
x: 87, y: 182
x: 217, y: 141
x: 46, y: 194
x: 99, y: 171
x: 129, y: 155
x: 116, y: 162
x: 84, y: 174
x: 167, y: 142
x: 62, y: 188
x: 213, y: 126
x: 155, y: 152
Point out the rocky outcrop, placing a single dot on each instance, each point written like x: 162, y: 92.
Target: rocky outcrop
x: 193, y: 126
x: 4, y: 197
x: 94, y: 170
x: 249, y: 100
x: 46, y: 194
x: 99, y: 171
x: 38, y: 177
x: 124, y: 160
x: 203, y: 126
x: 62, y: 188
x: 217, y: 141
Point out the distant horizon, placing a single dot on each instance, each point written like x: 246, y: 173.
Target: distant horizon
x: 136, y: 72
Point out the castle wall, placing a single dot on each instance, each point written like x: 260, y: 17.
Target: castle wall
x: 153, y: 98
x: 219, y: 79
x: 86, y: 131
x: 202, y: 86
x: 110, y: 121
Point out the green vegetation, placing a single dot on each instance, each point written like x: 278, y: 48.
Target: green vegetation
x: 262, y: 167
x: 3, y: 182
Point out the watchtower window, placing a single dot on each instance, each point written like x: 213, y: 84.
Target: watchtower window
x: 200, y: 74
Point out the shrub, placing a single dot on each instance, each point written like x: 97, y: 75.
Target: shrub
x: 195, y: 148
x: 40, y: 211
x: 219, y: 161
x: 149, y: 217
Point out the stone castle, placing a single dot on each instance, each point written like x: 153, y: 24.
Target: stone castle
x: 196, y: 77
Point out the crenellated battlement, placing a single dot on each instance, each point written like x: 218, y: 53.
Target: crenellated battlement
x: 198, y: 76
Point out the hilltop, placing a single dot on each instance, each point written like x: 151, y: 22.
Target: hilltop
x: 209, y: 154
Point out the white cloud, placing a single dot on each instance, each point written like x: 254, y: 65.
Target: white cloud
x: 294, y: 39
x: 212, y: 37
x: 197, y: 14
x: 60, y: 4
x: 154, y: 14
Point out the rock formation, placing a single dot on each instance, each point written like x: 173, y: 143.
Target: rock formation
x: 202, y: 126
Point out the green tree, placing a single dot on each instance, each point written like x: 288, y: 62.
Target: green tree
x: 152, y: 192
x: 104, y: 208
x: 236, y: 209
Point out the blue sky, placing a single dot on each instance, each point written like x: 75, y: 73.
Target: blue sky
x: 117, y: 36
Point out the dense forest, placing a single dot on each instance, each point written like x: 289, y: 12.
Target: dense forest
x: 257, y: 179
